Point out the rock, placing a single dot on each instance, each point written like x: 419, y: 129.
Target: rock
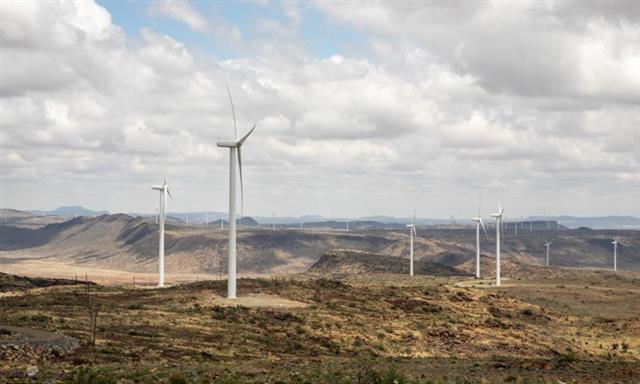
x: 32, y: 370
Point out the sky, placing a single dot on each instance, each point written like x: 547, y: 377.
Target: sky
x: 361, y: 108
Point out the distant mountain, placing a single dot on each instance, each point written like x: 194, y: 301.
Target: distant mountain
x: 69, y: 211
x: 245, y: 221
x: 604, y: 222
x: 122, y: 242
x: 368, y: 222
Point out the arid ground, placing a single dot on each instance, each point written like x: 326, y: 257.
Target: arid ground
x: 567, y: 326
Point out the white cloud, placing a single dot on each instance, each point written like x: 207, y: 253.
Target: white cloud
x: 180, y: 10
x: 502, y: 99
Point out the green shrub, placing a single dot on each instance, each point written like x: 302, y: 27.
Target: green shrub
x: 177, y: 378
x: 89, y: 375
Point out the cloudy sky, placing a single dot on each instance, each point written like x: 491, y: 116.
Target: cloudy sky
x: 361, y: 108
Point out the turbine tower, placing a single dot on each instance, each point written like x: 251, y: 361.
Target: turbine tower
x: 547, y: 244
x: 615, y: 254
x: 412, y: 234
x: 498, y: 217
x: 479, y: 223
x: 162, y: 214
x: 234, y: 146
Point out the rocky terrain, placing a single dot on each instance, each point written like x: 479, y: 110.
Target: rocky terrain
x: 354, y: 261
x: 12, y: 283
x: 360, y: 327
x: 125, y: 243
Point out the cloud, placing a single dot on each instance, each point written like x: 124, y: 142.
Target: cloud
x: 530, y: 103
x: 529, y: 49
x: 179, y: 10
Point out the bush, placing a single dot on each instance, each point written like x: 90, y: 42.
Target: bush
x: 88, y: 375
x: 177, y: 378
x: 390, y: 376
x: 527, y: 312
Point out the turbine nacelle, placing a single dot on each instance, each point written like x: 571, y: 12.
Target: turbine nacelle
x: 499, y: 214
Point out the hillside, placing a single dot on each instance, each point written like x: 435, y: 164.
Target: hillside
x: 431, y: 329
x: 354, y: 261
x: 9, y: 283
x: 122, y: 242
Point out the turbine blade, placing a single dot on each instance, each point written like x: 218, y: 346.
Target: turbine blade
x: 484, y: 229
x: 241, y: 185
x: 247, y: 135
x: 169, y: 192
x: 233, y: 112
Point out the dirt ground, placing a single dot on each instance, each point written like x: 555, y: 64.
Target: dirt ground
x: 341, y: 328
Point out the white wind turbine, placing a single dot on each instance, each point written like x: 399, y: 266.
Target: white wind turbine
x: 412, y: 234
x: 547, y: 244
x: 234, y: 146
x: 498, y: 217
x: 615, y: 254
x: 162, y: 215
x: 479, y: 223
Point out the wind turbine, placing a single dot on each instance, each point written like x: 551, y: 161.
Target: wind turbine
x: 234, y: 146
x: 412, y: 234
x: 615, y: 254
x: 164, y: 191
x: 498, y: 217
x: 547, y: 244
x: 479, y: 223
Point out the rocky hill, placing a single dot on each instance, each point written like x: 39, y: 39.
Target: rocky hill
x: 17, y: 283
x: 122, y: 242
x: 354, y: 261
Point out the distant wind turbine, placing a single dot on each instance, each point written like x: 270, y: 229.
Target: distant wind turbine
x: 615, y: 254
x: 164, y: 191
x: 412, y: 234
x: 547, y: 244
x: 498, y: 217
x: 479, y: 223
x: 234, y: 146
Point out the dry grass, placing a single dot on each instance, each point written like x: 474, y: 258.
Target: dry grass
x: 349, y: 325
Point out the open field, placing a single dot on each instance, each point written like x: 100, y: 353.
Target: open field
x: 345, y: 328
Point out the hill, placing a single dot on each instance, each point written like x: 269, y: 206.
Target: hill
x: 9, y: 283
x: 354, y: 261
x: 125, y: 243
